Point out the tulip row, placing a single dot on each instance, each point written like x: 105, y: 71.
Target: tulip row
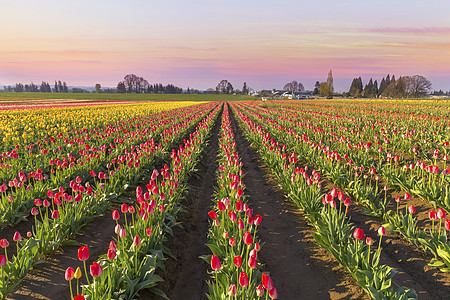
x: 232, y: 236
x: 427, y: 182
x: 334, y: 231
x: 369, y: 194
x: 16, y: 202
x: 71, y: 211
x: 137, y: 251
x: 347, y: 176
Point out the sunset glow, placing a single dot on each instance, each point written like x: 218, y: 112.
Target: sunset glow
x: 198, y: 43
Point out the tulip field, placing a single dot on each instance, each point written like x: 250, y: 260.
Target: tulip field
x: 93, y: 196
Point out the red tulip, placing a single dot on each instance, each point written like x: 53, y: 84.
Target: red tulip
x: 248, y: 240
x: 2, y: 260
x: 381, y: 231
x: 122, y: 233
x: 221, y: 206
x: 93, y: 174
x: 232, y: 215
x: 398, y: 199
x: 407, y: 196
x: 273, y: 293
x: 46, y: 203
x: 115, y: 214
x: 70, y: 272
x: 243, y: 279
x: 252, y: 263
x: 112, y: 246
x: 347, y: 202
x: 358, y: 234
x: 432, y: 214
x: 239, y: 193
x: 237, y: 261
x: 148, y: 232
x: 441, y: 213
x: 257, y: 220
x: 34, y: 211
x: 241, y: 225
x: 83, y: 253
x: 17, y: 237
x: 212, y: 214
x: 447, y: 224
x: 79, y: 297
x: 136, y: 241
x: 96, y: 269
x: 111, y: 254
x: 369, y: 241
x: 124, y: 208
x: 239, y: 206
x: 215, y: 263
x: 232, y: 242
x: 260, y: 291
x: 267, y: 282
x: 411, y: 209
x: 232, y: 290
x: 55, y: 214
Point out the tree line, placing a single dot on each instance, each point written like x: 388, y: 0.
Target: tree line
x: 44, y: 87
x: 415, y: 86
x: 132, y: 83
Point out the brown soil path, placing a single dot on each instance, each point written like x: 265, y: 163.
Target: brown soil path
x: 298, y: 267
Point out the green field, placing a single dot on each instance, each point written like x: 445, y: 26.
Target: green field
x: 124, y: 97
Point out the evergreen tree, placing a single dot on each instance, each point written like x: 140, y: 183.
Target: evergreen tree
x: 56, y: 87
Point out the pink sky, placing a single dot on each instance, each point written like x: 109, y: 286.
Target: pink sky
x: 199, y: 43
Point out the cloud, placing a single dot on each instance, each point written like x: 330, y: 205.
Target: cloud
x: 411, y: 30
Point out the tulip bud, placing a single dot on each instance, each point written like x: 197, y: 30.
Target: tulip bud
x: 112, y: 246
x: 136, y: 241
x: 432, y: 214
x: 83, y: 253
x: 267, y: 282
x: 215, y: 263
x: 259, y: 291
x: 148, y: 232
x: 17, y: 237
x: 232, y: 242
x: 273, y: 293
x: 369, y: 241
x: 96, y: 270
x: 248, y: 240
x: 243, y: 279
x: 237, y: 261
x: 232, y: 290
x: 358, y: 234
x: 122, y: 233
x: 2, y: 260
x: 111, y: 254
x: 69, y: 274
x: 115, y: 215
x: 381, y: 231
x: 77, y: 274
x: 411, y: 209
x: 447, y: 224
x: 441, y: 213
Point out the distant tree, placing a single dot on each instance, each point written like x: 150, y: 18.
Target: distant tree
x: 316, y: 88
x: 121, y: 88
x: 224, y: 87
x: 65, y: 88
x: 56, y: 87
x: 245, y: 89
x: 60, y: 86
x: 330, y: 85
x: 98, y: 88
x: 294, y: 86
x: 356, y: 87
x: 417, y: 86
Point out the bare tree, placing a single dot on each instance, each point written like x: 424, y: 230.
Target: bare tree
x: 417, y: 86
x: 224, y: 87
x: 294, y: 86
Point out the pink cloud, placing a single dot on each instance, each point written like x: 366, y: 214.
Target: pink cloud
x: 411, y: 30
